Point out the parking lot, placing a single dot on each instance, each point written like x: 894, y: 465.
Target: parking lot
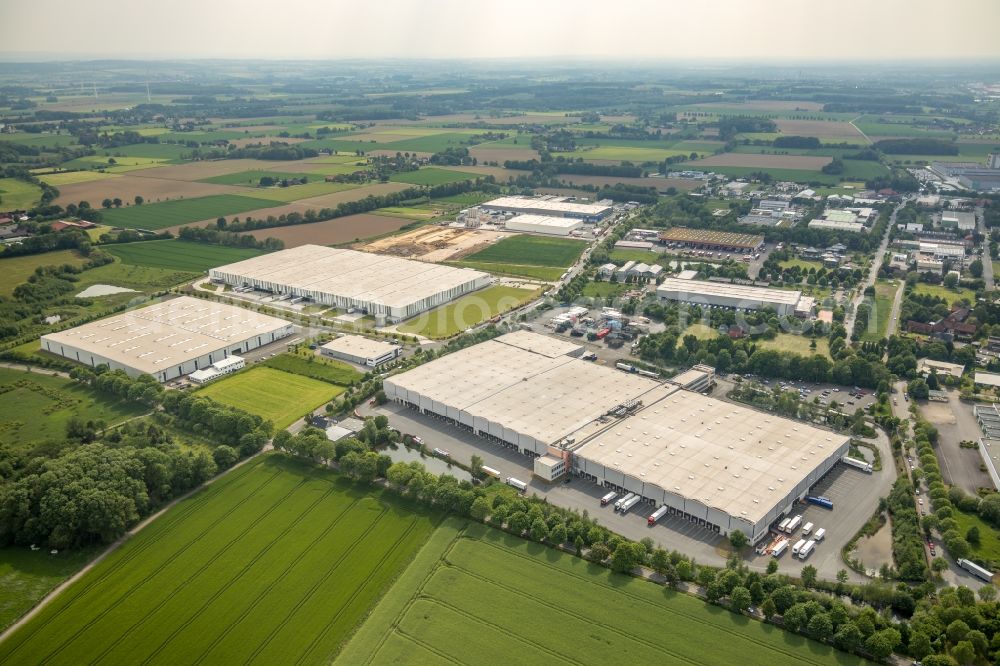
x: 854, y: 493
x: 809, y: 391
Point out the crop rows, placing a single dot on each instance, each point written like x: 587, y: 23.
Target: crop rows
x: 274, y: 564
x: 522, y: 599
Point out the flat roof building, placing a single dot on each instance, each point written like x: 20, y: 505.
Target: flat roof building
x: 554, y: 206
x: 377, y: 284
x: 724, y: 294
x: 360, y: 350
x: 706, y: 238
x: 169, y: 339
x: 544, y: 224
x: 834, y: 225
x: 727, y: 466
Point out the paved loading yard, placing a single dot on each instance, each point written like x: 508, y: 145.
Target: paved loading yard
x: 854, y: 493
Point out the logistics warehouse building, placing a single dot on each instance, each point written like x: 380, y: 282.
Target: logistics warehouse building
x: 723, y: 294
x: 169, y: 339
x: 551, y: 206
x: 379, y: 285
x: 726, y: 466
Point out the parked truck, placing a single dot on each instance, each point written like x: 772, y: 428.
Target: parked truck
x: 489, y: 471
x: 622, y: 500
x: 793, y: 524
x: 607, y: 499
x: 783, y: 525
x: 798, y: 546
x: 807, y: 528
x: 976, y: 570
x: 807, y: 549
x: 863, y: 465
x: 820, y: 533
x: 656, y: 515
x: 517, y: 483
x: 625, y: 366
x: 819, y: 500
x: 780, y: 548
x: 627, y: 506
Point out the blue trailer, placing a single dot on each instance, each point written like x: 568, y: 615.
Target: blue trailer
x: 819, y: 500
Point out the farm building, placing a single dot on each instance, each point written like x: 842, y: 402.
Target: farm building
x: 713, y: 240
x: 551, y: 206
x: 360, y: 350
x: 726, y: 295
x: 544, y: 224
x: 169, y: 339
x: 379, y: 285
x: 722, y: 465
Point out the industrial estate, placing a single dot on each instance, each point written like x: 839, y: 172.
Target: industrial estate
x: 315, y: 362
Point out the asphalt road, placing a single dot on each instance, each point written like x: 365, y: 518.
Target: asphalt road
x: 985, y: 256
x: 897, y: 306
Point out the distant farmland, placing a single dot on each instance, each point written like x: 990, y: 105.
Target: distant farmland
x: 332, y: 232
x: 281, y: 397
x: 275, y: 563
x: 180, y: 255
x: 431, y: 177
x: 521, y: 598
x: 171, y: 213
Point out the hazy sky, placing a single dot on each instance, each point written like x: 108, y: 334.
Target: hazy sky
x: 674, y: 29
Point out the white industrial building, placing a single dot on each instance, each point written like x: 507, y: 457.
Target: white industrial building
x: 726, y: 295
x: 360, y: 350
x: 379, y: 285
x: 551, y: 206
x: 723, y: 465
x: 544, y: 224
x: 218, y: 369
x: 836, y: 225
x: 169, y: 339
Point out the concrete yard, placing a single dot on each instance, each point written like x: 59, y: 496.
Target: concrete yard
x: 956, y: 422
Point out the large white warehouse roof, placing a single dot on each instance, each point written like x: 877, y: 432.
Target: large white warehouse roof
x: 708, y: 290
x: 385, y: 285
x: 171, y: 333
x: 554, y: 206
x: 545, y: 224
x: 723, y: 455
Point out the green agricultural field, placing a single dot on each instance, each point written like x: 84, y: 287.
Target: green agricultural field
x: 515, y: 270
x: 34, y: 409
x: 16, y: 270
x: 26, y: 576
x: 181, y: 211
x: 796, y: 344
x: 296, y: 192
x: 801, y: 263
x: 603, y: 289
x: 950, y: 295
x: 308, y: 364
x: 470, y: 310
x: 252, y: 178
x: 73, y: 177
x: 160, y: 151
x: 272, y: 394
x: 180, y: 255
x: 466, y: 198
x: 431, y: 176
x: 121, y: 164
x: 476, y: 581
x: 40, y: 140
x: 18, y: 194
x: 637, y: 154
x: 531, y: 251
x: 277, y: 562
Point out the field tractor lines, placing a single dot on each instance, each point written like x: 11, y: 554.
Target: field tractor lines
x: 236, y: 577
x: 419, y: 643
x: 134, y: 588
x: 637, y: 599
x: 312, y: 590
x: 124, y: 561
x: 357, y: 591
x: 637, y: 638
x: 266, y: 591
x: 394, y: 625
x: 492, y: 626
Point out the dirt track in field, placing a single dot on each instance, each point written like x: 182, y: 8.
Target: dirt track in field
x: 843, y: 131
